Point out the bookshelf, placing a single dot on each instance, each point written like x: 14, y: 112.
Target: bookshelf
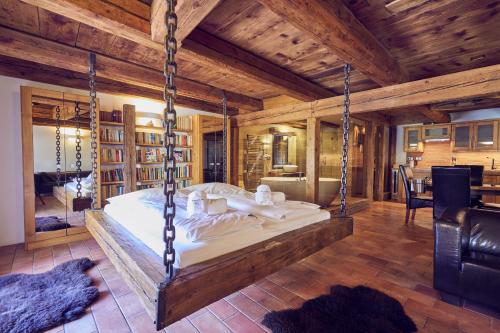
x: 112, y: 154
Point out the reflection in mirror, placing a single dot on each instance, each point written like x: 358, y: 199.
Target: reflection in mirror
x: 280, y: 150
x: 49, y: 166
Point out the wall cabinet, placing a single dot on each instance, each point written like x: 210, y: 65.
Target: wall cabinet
x: 413, y: 140
x: 436, y: 132
x: 481, y: 135
x: 485, y: 135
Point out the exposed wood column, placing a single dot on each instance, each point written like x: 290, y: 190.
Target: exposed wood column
x: 477, y: 82
x: 382, y: 159
x: 332, y: 24
x: 312, y: 159
x: 369, y: 159
x: 229, y: 141
x: 234, y: 154
x: 130, y: 171
x: 197, y: 150
x: 435, y: 116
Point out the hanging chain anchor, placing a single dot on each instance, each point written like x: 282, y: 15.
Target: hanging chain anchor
x: 93, y: 128
x: 345, y: 141
x: 78, y: 152
x: 170, y: 121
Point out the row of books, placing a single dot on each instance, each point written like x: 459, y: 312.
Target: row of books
x: 146, y: 186
x: 151, y: 155
x: 183, y: 183
x: 108, y: 191
x: 111, y: 155
x: 149, y: 173
x: 148, y: 138
x: 184, y: 155
x: 183, y: 171
x: 113, y: 175
x: 115, y: 116
x: 184, y: 124
x: 183, y: 140
x: 111, y: 135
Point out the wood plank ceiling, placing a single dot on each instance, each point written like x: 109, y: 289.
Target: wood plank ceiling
x: 258, y: 54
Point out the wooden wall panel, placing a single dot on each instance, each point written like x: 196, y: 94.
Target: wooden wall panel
x: 312, y: 153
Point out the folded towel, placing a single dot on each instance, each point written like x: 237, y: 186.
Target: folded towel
x: 264, y: 198
x: 263, y: 188
x: 217, y: 206
x: 278, y: 197
x: 197, y: 203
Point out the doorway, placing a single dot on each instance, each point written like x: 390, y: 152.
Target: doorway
x: 212, y: 157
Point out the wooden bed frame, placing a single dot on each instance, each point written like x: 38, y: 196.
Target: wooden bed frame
x: 199, y: 285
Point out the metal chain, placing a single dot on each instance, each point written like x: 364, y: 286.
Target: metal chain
x: 170, y: 120
x: 93, y: 128
x: 224, y: 137
x: 58, y: 145
x: 78, y: 152
x: 345, y: 142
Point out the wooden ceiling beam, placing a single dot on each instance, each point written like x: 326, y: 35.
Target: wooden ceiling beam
x: 469, y: 84
x: 435, y: 116
x: 23, y: 46
x: 201, y: 49
x: 332, y: 24
x: 208, y: 50
x: 41, y: 73
x: 190, y: 13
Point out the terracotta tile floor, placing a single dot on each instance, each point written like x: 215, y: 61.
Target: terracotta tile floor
x: 383, y: 254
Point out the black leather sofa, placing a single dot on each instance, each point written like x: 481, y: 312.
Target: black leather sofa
x: 467, y: 256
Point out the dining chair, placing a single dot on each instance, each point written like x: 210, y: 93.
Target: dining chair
x: 413, y: 201
x: 450, y: 189
x: 476, y: 179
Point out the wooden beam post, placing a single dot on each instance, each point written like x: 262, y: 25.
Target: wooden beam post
x: 229, y: 161
x: 332, y: 24
x: 312, y: 159
x: 369, y: 159
x: 234, y: 154
x: 129, y: 152
x: 197, y: 150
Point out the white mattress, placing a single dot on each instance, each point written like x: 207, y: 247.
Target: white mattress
x: 147, y: 225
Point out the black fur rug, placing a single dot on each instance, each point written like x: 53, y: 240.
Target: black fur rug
x: 349, y: 310
x: 38, y: 302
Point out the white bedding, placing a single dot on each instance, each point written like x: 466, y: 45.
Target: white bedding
x: 141, y: 214
x: 71, y: 187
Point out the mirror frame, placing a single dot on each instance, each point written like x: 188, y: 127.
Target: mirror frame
x: 32, y: 239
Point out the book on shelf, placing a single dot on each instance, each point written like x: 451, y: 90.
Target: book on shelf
x: 149, y: 155
x: 112, y: 175
x: 115, y: 116
x: 185, y: 155
x: 108, y: 191
x: 148, y: 138
x: 146, y: 186
x: 183, y: 183
x: 149, y: 173
x: 113, y: 155
x: 184, y: 124
x: 183, y: 171
x: 183, y: 139
x: 112, y: 135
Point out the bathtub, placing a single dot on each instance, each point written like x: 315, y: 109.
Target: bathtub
x: 295, y: 188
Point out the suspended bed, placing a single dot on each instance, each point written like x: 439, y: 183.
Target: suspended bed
x: 141, y: 245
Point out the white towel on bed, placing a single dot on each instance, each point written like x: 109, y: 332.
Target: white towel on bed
x: 197, y: 203
x: 216, y: 206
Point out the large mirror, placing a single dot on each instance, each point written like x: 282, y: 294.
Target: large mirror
x: 56, y: 157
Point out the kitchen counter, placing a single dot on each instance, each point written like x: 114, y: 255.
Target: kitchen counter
x: 427, y: 172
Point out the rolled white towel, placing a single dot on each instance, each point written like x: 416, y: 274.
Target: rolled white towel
x: 278, y: 197
x: 263, y: 188
x: 264, y: 198
x: 217, y: 206
x: 197, y: 203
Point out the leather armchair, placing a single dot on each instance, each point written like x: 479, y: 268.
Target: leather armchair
x: 467, y: 256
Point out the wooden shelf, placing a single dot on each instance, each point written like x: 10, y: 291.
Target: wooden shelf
x: 111, y: 163
x: 111, y: 123
x: 148, y: 145
x: 146, y: 163
x: 183, y: 147
x: 113, y: 183
x: 145, y: 127
x: 183, y: 178
x: 112, y: 143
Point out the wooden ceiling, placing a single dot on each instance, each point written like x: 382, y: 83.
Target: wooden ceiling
x: 253, y: 49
